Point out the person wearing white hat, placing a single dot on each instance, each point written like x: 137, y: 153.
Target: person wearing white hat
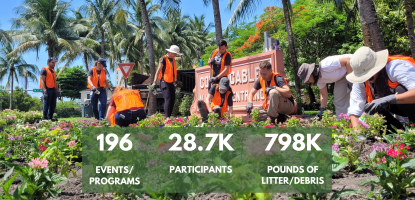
x: 167, y: 74
x: 382, y: 84
x: 332, y: 69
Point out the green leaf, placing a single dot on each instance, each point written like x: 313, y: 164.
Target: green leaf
x: 56, y: 178
x: 373, y: 180
x: 7, y: 185
x: 74, y: 173
x: 219, y: 162
x: 361, y: 167
x: 372, y: 155
x: 344, y: 193
x: 410, y: 163
x: 8, y: 173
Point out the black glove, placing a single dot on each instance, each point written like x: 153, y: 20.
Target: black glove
x: 249, y: 108
x: 100, y: 88
x: 59, y: 96
x: 377, y: 104
x: 214, y: 80
x: 269, y: 89
x: 45, y: 95
x: 320, y: 114
x: 93, y: 88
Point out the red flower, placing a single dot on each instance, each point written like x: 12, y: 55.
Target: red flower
x: 179, y: 120
x: 270, y: 126
x: 334, y: 126
x: 248, y: 123
x: 155, y: 122
x: 411, y: 125
x: 42, y: 148
x: 93, y: 124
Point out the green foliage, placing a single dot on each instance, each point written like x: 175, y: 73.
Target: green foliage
x: 66, y: 109
x: 71, y: 81
x: 177, y: 103
x: 185, y: 105
x: 24, y: 102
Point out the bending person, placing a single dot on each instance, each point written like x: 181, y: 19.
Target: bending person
x: 97, y: 81
x: 220, y: 96
x: 278, y: 98
x: 167, y: 74
x: 220, y: 63
x: 382, y: 84
x: 332, y: 69
x: 125, y: 108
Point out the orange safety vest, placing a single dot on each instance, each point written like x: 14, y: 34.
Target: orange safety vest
x: 94, y: 78
x: 391, y: 84
x: 264, y: 88
x: 50, y: 79
x: 216, y: 101
x: 222, y: 66
x: 127, y: 99
x: 112, y: 117
x: 168, y: 72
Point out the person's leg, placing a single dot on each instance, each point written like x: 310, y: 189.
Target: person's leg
x: 341, y: 96
x: 167, y: 97
x: 52, y: 105
x: 46, y: 105
x: 217, y: 110
x: 279, y: 104
x: 203, y: 110
x: 141, y: 115
x: 173, y: 97
x: 122, y: 118
x: 103, y: 106
x: 94, y: 104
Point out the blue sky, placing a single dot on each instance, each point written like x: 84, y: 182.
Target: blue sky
x: 189, y: 7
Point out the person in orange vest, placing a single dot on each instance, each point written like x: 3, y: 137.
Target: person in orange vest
x: 278, y: 98
x: 125, y: 108
x: 167, y: 74
x: 382, y: 84
x: 97, y: 81
x: 220, y: 63
x: 50, y: 88
x: 220, y: 98
x: 332, y: 69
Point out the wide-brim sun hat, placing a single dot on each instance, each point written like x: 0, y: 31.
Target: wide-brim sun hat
x: 174, y: 49
x: 305, y: 71
x: 366, y: 63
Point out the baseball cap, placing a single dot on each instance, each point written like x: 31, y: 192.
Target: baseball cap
x: 103, y: 62
x: 224, y: 83
x: 52, y: 59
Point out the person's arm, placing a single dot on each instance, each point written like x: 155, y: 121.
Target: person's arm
x: 357, y: 103
x: 284, y: 91
x: 324, y: 97
x: 56, y: 86
x: 225, y: 71
x: 345, y: 62
x: 230, y: 110
x: 43, y: 82
x: 109, y: 112
x: 107, y: 84
x: 158, y: 72
x: 407, y: 97
x: 251, y: 95
x: 403, y: 73
x: 90, y: 81
x: 209, y: 100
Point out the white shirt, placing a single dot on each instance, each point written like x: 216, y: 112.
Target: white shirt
x: 398, y: 71
x: 331, y: 70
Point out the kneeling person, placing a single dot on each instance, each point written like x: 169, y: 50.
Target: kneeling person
x: 278, y: 98
x: 125, y: 107
x: 220, y: 96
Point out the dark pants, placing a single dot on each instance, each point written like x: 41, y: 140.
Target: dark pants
x: 102, y: 97
x: 127, y: 117
x: 49, y: 104
x: 169, y: 95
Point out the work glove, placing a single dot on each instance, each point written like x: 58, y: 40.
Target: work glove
x: 59, y: 96
x: 269, y: 89
x: 377, y: 104
x: 320, y: 114
x: 214, y: 80
x: 111, y: 89
x: 175, y: 84
x: 153, y: 85
x: 100, y: 88
x: 249, y: 108
x: 93, y: 88
x: 45, y: 95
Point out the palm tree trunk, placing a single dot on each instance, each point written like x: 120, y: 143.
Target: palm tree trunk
x: 50, y: 48
x: 152, y: 107
x: 140, y: 58
x: 102, y: 42
x: 218, y: 24
x: 410, y: 24
x: 291, y: 46
x: 11, y: 88
x: 86, y: 62
x: 370, y: 25
x: 25, y: 84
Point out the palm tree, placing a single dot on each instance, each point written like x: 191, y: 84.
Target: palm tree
x: 216, y: 14
x: 199, y: 25
x: 104, y: 15
x: 26, y: 75
x: 177, y: 29
x: 43, y: 22
x: 11, y: 66
x: 410, y: 25
x: 150, y: 48
x: 372, y: 33
x: 85, y: 46
x: 245, y: 7
x: 4, y: 37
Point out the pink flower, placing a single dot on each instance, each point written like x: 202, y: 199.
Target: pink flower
x: 5, y: 133
x: 269, y: 126
x: 72, y: 144
x: 155, y: 122
x: 328, y: 111
x: 334, y: 126
x: 18, y: 137
x: 38, y: 164
x: 248, y: 123
x: 411, y: 125
x: 282, y: 126
x: 179, y: 120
